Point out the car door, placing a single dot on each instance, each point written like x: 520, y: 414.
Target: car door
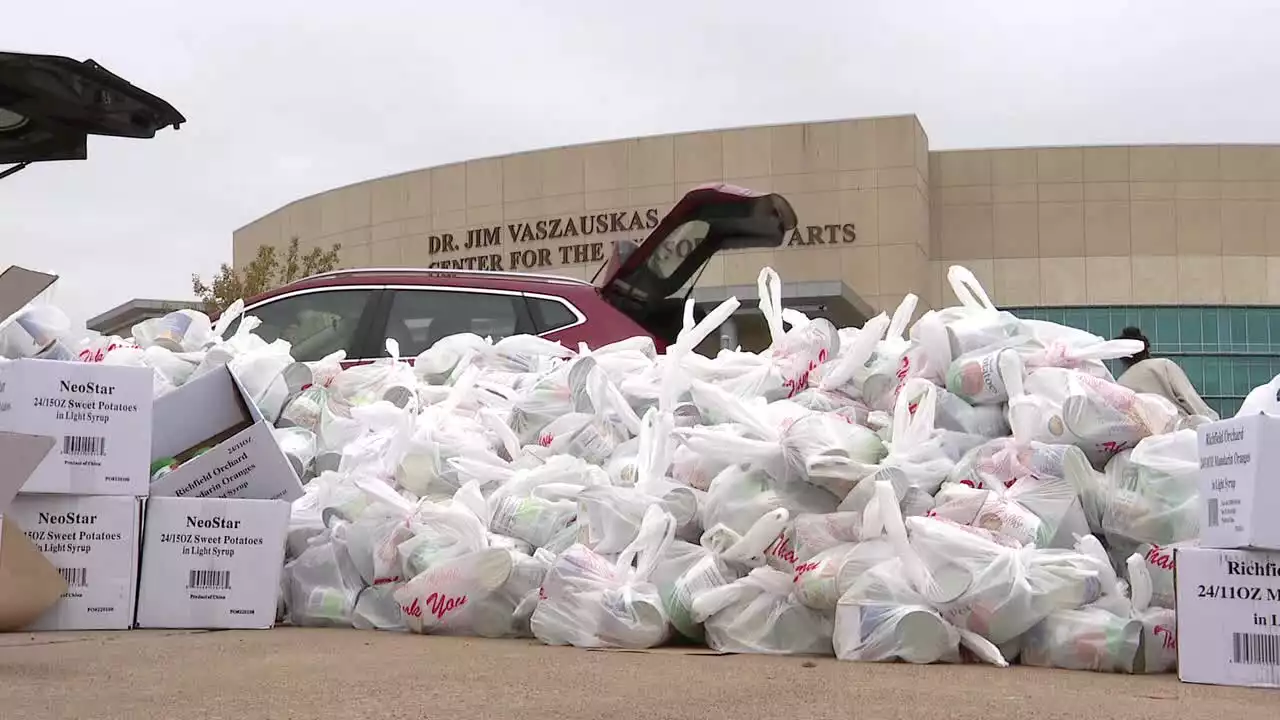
x: 419, y: 316
x: 317, y: 322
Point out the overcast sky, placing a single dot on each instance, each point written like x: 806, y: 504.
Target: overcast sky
x: 285, y: 98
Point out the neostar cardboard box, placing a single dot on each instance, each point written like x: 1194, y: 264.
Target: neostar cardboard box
x: 212, y: 563
x: 223, y: 445
x: 93, y: 542
x: 98, y: 415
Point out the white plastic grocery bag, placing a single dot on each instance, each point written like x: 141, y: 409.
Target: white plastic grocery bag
x: 589, y: 602
x: 1262, y: 399
x: 799, y: 351
x: 442, y: 599
x: 681, y: 573
x: 760, y: 614
x: 1153, y: 492
x: 888, y: 611
x: 1088, y: 638
x: 955, y: 331
x: 996, y: 591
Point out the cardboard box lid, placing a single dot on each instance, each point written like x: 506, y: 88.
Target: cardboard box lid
x: 19, y: 286
x: 29, y: 583
x: 22, y: 455
x: 205, y: 406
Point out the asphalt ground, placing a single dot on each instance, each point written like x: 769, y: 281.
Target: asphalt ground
x: 321, y: 674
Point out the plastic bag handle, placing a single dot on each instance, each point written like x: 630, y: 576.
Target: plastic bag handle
x: 712, y: 397
x: 884, y: 516
x: 864, y: 344
x: 385, y: 493
x: 653, y: 456
x: 1140, y: 589
x: 729, y: 448
x: 912, y: 429
x: 770, y: 580
x: 968, y: 290
x: 492, y: 420
x: 466, y: 383
x: 228, y: 316
x: 1070, y: 356
x: 711, y: 601
x: 393, y: 348
x: 794, y: 318
x: 902, y: 318
x: 751, y: 547
x: 657, y: 531
x: 769, y: 286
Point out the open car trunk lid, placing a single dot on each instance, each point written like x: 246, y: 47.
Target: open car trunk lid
x: 49, y: 105
x: 642, y: 280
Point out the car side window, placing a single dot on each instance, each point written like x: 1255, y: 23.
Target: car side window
x: 419, y: 318
x: 549, y: 315
x: 314, y: 324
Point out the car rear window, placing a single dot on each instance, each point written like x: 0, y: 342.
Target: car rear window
x: 550, y: 315
x: 419, y: 318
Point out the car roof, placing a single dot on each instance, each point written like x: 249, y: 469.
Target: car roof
x: 487, y: 279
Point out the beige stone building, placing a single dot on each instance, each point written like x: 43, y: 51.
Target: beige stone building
x: 1168, y: 237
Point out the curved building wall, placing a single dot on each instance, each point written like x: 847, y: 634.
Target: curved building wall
x: 1115, y: 230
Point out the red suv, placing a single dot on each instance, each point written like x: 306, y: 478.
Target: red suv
x: 639, y: 293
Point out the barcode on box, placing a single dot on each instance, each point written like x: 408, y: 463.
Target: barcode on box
x: 1255, y: 649
x: 209, y: 580
x: 75, y: 577
x: 1213, y: 512
x: 84, y: 445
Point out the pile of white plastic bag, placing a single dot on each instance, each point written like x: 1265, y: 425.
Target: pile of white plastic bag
x: 970, y: 487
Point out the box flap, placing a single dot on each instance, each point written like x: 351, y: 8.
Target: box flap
x: 22, y: 455
x: 194, y: 413
x: 19, y: 286
x: 29, y: 584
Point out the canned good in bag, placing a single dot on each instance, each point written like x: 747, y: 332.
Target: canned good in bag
x: 47, y: 346
x: 171, y: 329
x: 977, y: 379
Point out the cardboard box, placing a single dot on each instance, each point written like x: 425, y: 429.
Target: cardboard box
x: 22, y: 455
x: 213, y: 410
x: 212, y: 563
x: 1240, y: 483
x: 99, y: 416
x: 93, y: 542
x: 1228, y: 616
x: 29, y: 584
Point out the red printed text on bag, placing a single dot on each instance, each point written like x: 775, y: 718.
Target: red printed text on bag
x: 438, y: 604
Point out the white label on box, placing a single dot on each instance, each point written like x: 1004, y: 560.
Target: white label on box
x: 249, y: 465
x: 93, y: 542
x: 212, y: 563
x: 99, y: 416
x: 1235, y: 485
x: 1228, y: 616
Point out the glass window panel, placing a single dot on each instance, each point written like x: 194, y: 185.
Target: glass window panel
x: 1194, y: 368
x: 1238, y: 329
x: 1099, y: 321
x: 1189, y: 328
x: 1257, y: 327
x: 1209, y: 328
x: 1147, y: 320
x: 1212, y: 377
x: 1274, y: 322
x: 1167, y: 331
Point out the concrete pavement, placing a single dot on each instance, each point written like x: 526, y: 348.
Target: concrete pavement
x: 347, y: 674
